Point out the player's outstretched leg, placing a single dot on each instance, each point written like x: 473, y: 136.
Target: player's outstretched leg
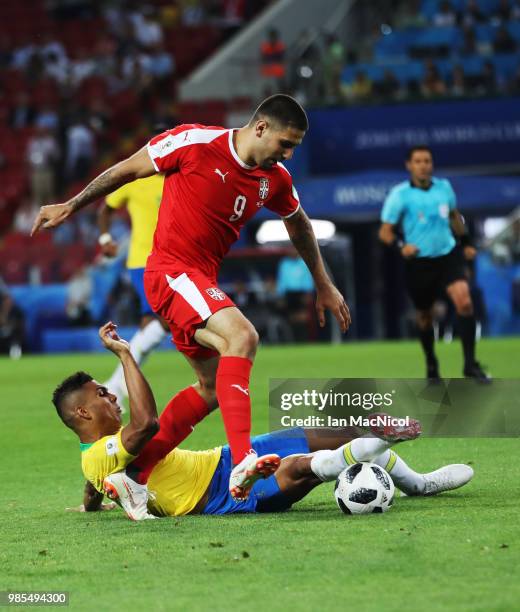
x: 235, y: 338
x: 176, y: 422
x: 327, y: 464
x: 299, y: 474
x: 412, y: 483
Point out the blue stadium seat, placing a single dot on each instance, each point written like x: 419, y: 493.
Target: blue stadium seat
x: 485, y: 32
x: 436, y: 37
x: 472, y: 65
x: 514, y: 29
x: 506, y: 65
x: 396, y: 45
x: 403, y: 71
x: 430, y: 7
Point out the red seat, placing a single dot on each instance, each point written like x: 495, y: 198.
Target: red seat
x: 14, y: 272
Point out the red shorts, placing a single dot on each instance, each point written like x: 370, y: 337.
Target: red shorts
x: 185, y: 299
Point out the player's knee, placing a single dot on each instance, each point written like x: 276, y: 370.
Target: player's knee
x: 299, y: 467
x: 465, y: 306
x: 244, y: 341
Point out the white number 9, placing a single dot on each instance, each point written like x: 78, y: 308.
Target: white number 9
x: 240, y: 204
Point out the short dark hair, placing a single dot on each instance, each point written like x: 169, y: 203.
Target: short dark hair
x: 284, y: 110
x: 63, y: 391
x: 419, y: 147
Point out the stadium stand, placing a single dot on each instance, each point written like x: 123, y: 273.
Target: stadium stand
x: 92, y: 79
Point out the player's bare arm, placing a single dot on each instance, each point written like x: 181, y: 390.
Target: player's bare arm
x: 137, y: 166
x: 302, y: 236
x: 459, y: 229
x: 388, y: 236
x: 106, y: 242
x: 143, y: 423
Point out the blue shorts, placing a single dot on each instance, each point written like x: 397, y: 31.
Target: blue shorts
x: 136, y: 276
x: 265, y: 495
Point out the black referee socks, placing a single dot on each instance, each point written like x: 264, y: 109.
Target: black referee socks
x: 467, y: 327
x: 427, y: 339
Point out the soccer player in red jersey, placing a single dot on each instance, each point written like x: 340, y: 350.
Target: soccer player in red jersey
x: 216, y: 179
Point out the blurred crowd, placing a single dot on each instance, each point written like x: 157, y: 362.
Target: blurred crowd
x: 84, y: 81
x: 325, y: 69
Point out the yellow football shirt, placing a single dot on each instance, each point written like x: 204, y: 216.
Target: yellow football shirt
x: 178, y: 482
x: 142, y: 199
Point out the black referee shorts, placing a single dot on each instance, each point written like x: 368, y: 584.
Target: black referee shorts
x: 428, y: 277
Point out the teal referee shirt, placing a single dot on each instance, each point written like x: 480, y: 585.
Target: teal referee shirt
x: 424, y: 215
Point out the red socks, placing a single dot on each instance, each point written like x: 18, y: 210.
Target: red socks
x: 188, y: 408
x: 235, y: 403
x: 177, y: 420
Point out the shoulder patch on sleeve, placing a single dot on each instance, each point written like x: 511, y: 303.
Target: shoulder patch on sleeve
x: 112, y: 446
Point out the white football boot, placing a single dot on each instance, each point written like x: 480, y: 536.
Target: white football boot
x: 248, y: 471
x: 447, y: 478
x: 130, y: 495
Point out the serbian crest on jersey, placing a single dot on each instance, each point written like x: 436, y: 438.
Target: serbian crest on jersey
x: 263, y: 190
x: 216, y: 294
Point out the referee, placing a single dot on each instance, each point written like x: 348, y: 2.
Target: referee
x: 425, y: 207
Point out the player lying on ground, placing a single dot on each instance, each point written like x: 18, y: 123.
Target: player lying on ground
x: 187, y: 482
x: 215, y: 180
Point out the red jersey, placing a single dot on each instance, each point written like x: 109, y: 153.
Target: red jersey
x: 209, y: 194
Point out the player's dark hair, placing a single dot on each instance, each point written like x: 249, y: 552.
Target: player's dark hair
x: 415, y: 148
x: 63, y: 390
x: 284, y: 110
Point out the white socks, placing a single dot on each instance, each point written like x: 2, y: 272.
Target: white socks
x: 327, y: 464
x: 404, y: 477
x: 146, y: 340
x: 141, y: 344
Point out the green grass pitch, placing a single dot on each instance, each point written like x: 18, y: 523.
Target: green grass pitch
x: 459, y: 551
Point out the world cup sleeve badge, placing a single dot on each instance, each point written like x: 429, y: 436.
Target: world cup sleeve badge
x: 112, y: 446
x: 444, y: 210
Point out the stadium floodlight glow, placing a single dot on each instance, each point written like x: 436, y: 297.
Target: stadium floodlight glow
x: 493, y: 226
x: 274, y: 231
x: 306, y: 72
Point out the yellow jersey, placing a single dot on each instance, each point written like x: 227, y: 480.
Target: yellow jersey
x: 178, y: 481
x: 142, y: 199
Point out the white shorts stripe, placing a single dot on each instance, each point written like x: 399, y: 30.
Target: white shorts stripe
x: 187, y: 288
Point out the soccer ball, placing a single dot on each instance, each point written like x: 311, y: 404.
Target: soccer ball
x: 363, y: 488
